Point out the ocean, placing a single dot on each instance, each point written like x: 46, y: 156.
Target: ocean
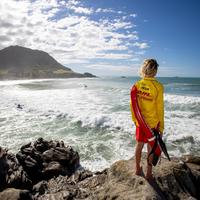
x: 93, y: 116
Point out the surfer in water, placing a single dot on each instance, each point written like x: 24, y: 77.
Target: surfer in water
x: 19, y: 106
x: 150, y: 102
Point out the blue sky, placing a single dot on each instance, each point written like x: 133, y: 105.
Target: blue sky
x: 107, y: 37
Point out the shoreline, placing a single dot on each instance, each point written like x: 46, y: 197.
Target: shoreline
x: 50, y: 170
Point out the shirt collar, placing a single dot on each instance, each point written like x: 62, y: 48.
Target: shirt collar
x: 149, y: 78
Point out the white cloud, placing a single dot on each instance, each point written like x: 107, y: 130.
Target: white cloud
x: 105, y: 10
x: 119, y: 24
x: 113, y: 56
x: 66, y: 30
x: 133, y: 15
x: 82, y: 10
x: 112, y: 67
x: 140, y: 53
x: 73, y: 2
x: 75, y: 6
x: 142, y: 45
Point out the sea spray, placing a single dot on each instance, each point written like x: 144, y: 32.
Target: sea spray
x: 95, y: 119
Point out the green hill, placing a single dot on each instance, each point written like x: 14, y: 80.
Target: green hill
x: 18, y: 62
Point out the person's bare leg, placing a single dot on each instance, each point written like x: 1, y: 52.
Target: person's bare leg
x: 149, y: 165
x: 138, y: 153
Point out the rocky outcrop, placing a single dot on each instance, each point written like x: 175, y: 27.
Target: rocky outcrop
x: 12, y: 173
x: 53, y: 171
x: 33, y: 165
x: 173, y: 180
x: 43, y: 160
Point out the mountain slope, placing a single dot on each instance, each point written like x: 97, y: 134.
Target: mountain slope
x: 18, y: 62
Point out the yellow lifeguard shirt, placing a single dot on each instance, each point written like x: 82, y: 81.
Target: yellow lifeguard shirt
x: 151, y: 103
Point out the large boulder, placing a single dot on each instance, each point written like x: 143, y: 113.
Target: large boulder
x: 43, y: 159
x: 12, y: 173
x: 3, y: 168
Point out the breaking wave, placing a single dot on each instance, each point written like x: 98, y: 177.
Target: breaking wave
x: 95, y: 119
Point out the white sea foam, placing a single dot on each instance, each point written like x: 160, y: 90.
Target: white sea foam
x: 15, y: 82
x: 96, y: 120
x: 181, y: 99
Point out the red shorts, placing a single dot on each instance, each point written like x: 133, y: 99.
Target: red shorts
x: 140, y: 136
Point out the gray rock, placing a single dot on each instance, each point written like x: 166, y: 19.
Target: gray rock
x: 4, y: 167
x: 12, y: 174
x: 15, y: 194
x: 53, y: 169
x: 46, y: 159
x: 63, y: 195
x: 39, y: 188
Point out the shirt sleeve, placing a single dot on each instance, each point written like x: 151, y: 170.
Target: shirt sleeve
x: 160, y: 108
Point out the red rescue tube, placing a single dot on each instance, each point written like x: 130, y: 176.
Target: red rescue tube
x: 146, y: 129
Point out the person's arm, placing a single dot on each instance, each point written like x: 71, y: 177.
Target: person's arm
x: 160, y: 108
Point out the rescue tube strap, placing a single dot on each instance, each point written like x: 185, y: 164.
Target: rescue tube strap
x: 151, y: 139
